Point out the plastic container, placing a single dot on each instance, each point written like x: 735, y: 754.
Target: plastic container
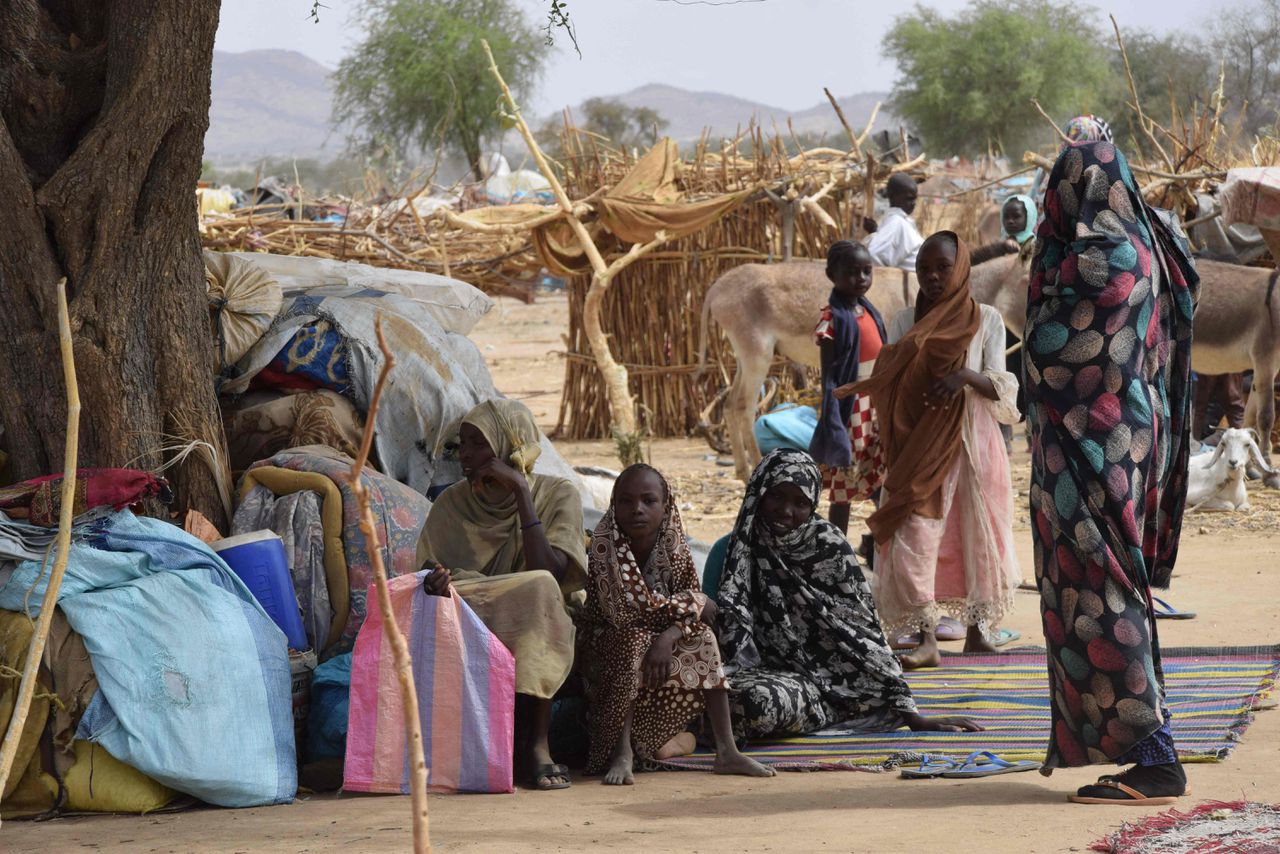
x: 258, y: 558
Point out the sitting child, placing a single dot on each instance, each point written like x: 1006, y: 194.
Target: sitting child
x: 645, y: 644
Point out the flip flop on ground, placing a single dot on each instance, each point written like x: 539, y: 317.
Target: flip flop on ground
x: 930, y: 766
x: 1005, y: 636
x: 984, y: 763
x: 1165, y: 611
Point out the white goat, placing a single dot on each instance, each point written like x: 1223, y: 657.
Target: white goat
x: 1217, y: 481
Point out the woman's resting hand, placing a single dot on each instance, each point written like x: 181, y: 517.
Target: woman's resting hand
x: 437, y: 582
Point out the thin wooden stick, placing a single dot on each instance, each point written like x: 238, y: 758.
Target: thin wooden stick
x: 1024, y: 170
x: 871, y: 122
x: 856, y: 148
x: 1143, y: 122
x: 1052, y: 123
x: 399, y: 647
x: 35, y: 652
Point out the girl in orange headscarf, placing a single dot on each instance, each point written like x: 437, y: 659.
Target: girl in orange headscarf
x: 944, y: 525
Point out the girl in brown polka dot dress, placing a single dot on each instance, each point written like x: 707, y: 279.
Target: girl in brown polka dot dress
x: 645, y: 644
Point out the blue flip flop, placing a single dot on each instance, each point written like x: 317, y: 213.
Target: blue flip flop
x: 1165, y: 611
x: 930, y: 766
x: 1005, y: 636
x: 984, y: 763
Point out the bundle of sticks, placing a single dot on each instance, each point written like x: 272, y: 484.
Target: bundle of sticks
x: 396, y: 236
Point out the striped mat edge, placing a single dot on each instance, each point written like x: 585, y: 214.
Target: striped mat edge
x: 1251, y: 672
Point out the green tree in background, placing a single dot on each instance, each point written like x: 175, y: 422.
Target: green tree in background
x: 968, y: 80
x: 1176, y: 70
x: 624, y: 126
x: 420, y: 74
x: 1247, y: 39
x: 630, y: 127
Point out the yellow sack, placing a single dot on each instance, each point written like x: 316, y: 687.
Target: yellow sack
x: 99, y: 782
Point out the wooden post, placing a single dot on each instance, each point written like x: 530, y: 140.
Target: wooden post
x: 399, y: 646
x: 622, y: 409
x: 62, y: 546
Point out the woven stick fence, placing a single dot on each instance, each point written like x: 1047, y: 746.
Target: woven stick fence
x: 653, y: 311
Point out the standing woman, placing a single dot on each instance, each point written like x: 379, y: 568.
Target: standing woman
x: 1108, y: 362
x: 945, y: 522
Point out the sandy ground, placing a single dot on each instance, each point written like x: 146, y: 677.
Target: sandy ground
x: 1226, y: 575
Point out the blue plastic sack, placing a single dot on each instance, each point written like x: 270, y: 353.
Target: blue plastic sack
x: 330, y: 700
x: 193, y: 676
x: 787, y: 426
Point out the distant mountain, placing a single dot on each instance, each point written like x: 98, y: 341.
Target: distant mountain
x: 277, y: 103
x: 687, y: 113
x: 269, y: 103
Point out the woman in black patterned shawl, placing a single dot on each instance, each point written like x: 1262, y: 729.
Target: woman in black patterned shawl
x: 798, y: 629
x: 1108, y: 358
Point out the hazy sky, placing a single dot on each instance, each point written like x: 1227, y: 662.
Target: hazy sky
x: 777, y: 52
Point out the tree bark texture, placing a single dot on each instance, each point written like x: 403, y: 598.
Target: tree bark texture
x: 103, y: 110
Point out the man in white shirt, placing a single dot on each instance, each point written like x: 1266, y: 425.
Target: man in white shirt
x: 896, y: 240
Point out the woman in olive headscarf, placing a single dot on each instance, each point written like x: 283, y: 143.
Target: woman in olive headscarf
x: 512, y: 544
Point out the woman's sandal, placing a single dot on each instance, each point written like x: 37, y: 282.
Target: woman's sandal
x: 1132, y: 796
x: 1166, y: 783
x: 541, y: 778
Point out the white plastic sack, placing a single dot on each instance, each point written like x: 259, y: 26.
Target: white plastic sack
x: 455, y: 305
x: 1252, y: 196
x: 243, y: 299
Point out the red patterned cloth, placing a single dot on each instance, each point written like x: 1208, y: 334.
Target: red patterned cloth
x: 39, y: 501
x: 859, y: 481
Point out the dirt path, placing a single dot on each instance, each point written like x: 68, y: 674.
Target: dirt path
x: 1226, y: 574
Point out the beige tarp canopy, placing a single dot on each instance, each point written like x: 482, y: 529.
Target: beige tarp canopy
x: 647, y: 200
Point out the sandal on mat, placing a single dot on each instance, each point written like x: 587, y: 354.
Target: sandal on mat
x: 984, y: 763
x: 1165, y: 611
x: 541, y: 778
x: 930, y: 766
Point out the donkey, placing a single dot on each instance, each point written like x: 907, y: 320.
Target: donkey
x: 1237, y: 328
x: 768, y: 307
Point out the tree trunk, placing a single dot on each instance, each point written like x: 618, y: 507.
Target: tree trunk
x: 103, y: 110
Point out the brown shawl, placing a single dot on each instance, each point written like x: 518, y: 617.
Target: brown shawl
x: 921, y: 444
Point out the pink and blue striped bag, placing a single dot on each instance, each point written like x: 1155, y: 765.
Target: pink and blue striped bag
x: 465, y: 680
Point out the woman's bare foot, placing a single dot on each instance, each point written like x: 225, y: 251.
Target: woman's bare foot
x: 734, y: 762
x: 976, y: 640
x: 619, y: 772
x: 925, y: 655
x: 679, y: 745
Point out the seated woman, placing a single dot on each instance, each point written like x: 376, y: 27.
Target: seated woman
x: 646, y: 648
x: 798, y: 627
x: 511, y: 543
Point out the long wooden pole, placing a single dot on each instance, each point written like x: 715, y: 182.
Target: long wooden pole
x: 399, y: 646
x: 26, y: 688
x: 622, y: 408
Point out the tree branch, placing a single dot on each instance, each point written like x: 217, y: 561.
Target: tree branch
x: 391, y: 631
x: 62, y: 546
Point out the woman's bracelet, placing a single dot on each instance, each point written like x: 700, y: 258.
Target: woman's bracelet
x: 532, y: 524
